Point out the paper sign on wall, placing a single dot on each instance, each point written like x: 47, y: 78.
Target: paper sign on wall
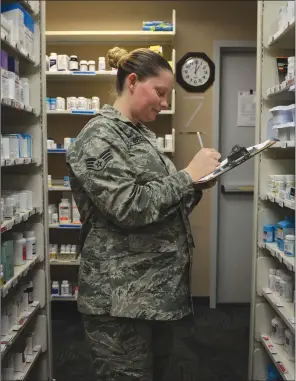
x: 246, y: 109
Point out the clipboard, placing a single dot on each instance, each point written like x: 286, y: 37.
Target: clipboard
x: 237, y: 156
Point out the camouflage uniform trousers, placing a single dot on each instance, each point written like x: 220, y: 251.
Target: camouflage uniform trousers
x: 130, y: 349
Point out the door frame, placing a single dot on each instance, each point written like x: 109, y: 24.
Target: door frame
x: 220, y: 46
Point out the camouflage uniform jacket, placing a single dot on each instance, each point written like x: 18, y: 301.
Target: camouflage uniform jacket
x: 137, y: 252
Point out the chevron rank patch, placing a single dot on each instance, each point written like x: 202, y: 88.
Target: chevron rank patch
x: 99, y: 163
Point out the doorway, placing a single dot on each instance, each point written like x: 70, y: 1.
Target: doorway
x: 232, y: 213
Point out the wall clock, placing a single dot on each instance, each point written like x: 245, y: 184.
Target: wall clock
x: 195, y: 72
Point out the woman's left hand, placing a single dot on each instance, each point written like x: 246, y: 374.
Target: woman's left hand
x: 207, y: 185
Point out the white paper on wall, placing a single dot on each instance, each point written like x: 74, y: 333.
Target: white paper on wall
x: 246, y: 109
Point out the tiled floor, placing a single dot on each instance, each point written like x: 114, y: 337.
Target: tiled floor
x: 214, y: 347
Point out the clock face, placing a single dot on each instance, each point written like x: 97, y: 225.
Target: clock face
x: 196, y: 71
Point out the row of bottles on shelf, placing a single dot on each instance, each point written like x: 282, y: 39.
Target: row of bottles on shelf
x: 282, y: 186
x: 281, y: 282
x: 16, y: 146
x: 72, y: 103
x: 282, y: 123
x: 281, y: 335
x: 12, y: 85
x: 66, y: 183
x: 62, y: 62
x: 18, y: 305
x: 16, y: 251
x: 64, y: 288
x: 166, y: 142
x: 19, y: 27
x: 51, y: 144
x: 283, y: 234
x: 14, y: 202
x: 63, y: 253
x: 66, y: 212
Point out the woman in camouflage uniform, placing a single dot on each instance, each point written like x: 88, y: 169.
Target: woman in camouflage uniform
x: 134, y: 205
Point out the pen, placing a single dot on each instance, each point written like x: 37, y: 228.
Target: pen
x: 200, y: 140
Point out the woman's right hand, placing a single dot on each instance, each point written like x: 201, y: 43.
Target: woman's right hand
x: 203, y: 163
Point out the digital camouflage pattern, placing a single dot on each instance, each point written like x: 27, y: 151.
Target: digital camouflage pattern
x: 134, y: 206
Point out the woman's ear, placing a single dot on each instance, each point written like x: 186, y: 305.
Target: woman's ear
x: 131, y: 82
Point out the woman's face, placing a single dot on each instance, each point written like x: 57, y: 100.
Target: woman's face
x: 150, y: 96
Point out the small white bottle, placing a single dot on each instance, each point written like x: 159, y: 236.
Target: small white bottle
x: 286, y: 287
x: 169, y: 142
x: 83, y: 65
x: 55, y: 288
x: 91, y: 65
x: 62, y: 62
x: 271, y: 279
x: 8, y: 208
x: 278, y: 334
x: 30, y: 243
x: 19, y: 249
x: 64, y: 211
x: 55, y: 218
x: 102, y: 64
x: 95, y: 103
x: 53, y: 62
x: 277, y: 281
x: 65, y: 288
x: 289, y: 245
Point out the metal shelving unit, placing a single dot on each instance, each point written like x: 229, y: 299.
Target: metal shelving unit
x: 272, y: 41
x: 27, y: 173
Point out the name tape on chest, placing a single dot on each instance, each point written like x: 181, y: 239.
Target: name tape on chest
x: 135, y: 140
x: 99, y: 163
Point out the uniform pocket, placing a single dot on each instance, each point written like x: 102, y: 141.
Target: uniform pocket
x: 139, y: 243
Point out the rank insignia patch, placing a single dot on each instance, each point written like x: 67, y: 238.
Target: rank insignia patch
x: 99, y: 163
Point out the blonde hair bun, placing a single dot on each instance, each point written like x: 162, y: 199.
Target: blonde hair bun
x: 115, y: 56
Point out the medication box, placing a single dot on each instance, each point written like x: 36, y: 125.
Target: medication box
x: 4, y: 74
x: 16, y: 13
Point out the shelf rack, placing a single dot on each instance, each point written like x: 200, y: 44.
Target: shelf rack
x: 28, y: 174
x: 268, y: 209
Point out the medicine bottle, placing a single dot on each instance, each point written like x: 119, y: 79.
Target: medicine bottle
x: 83, y: 65
x: 53, y: 62
x: 65, y: 289
x: 289, y: 346
x: 286, y: 287
x: 102, y: 64
x: 271, y: 279
x: 55, y: 288
x: 289, y: 245
x: 277, y: 281
x: 19, y: 249
x: 95, y: 103
x: 73, y: 63
x: 30, y: 243
x: 91, y: 65
x: 278, y: 334
x: 64, y: 211
x: 29, y: 291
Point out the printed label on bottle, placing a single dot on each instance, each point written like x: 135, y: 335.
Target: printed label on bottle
x: 64, y: 213
x: 24, y: 253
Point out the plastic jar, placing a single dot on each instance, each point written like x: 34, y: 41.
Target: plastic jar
x: 61, y: 103
x: 55, y: 288
x: 271, y: 279
x: 30, y: 243
x: 95, y: 103
x: 91, y: 65
x: 268, y: 233
x: 73, y: 63
x: 62, y: 62
x: 66, y: 181
x: 64, y: 211
x: 19, y: 249
x: 169, y: 141
x: 102, y: 64
x: 55, y: 218
x: 83, y: 65
x: 81, y: 103
x: 65, y: 289
x: 286, y: 287
x: 26, y: 91
x: 53, y: 104
x: 277, y: 281
x: 278, y: 334
x: 71, y: 103
x: 23, y: 201
x: 53, y: 62
x: 29, y: 199
x: 289, y: 346
x: 8, y: 211
x: 67, y: 142
x: 289, y: 245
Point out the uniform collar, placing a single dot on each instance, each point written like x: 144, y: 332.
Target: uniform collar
x: 111, y: 112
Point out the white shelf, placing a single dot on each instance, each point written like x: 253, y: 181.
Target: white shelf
x: 284, y: 309
x: 18, y: 161
x: 19, y: 272
x: 284, y: 38
x: 21, y: 376
x: 59, y: 189
x: 289, y: 262
x: 279, y: 201
x: 62, y: 298
x: 64, y: 226
x: 283, y: 144
x: 278, y: 90
x: 13, y: 49
x: 80, y: 76
x: 72, y: 112
x: 16, y: 106
x: 276, y: 353
x: 8, y: 340
x: 58, y: 36
x: 55, y: 262
x: 21, y: 217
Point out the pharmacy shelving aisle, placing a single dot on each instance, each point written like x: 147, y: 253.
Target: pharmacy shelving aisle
x: 25, y: 299
x: 272, y: 337
x: 79, y: 83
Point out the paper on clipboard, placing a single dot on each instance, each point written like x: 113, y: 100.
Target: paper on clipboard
x: 227, y: 165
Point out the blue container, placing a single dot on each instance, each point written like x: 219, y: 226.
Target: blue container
x: 268, y: 233
x: 284, y: 228
x: 53, y: 104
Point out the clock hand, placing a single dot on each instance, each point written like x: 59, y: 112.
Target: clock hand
x: 196, y: 69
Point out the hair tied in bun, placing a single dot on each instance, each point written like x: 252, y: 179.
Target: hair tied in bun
x: 116, y: 56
